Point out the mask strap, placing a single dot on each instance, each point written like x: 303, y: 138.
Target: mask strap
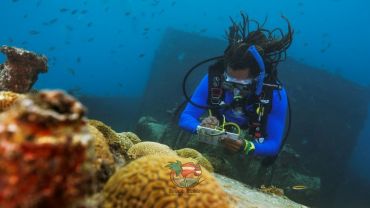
x: 253, y: 50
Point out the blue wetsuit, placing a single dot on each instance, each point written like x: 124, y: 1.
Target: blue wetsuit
x: 189, y: 119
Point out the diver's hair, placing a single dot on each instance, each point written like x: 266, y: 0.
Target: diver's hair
x: 271, y: 46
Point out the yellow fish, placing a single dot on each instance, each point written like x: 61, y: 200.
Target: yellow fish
x: 298, y: 187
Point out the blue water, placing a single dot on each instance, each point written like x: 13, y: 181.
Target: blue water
x: 106, y: 47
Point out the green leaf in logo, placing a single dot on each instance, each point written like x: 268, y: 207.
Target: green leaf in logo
x: 175, y: 166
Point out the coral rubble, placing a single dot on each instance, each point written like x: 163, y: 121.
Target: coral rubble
x: 21, y: 69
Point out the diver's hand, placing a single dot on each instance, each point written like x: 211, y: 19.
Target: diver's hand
x: 210, y: 122
x: 233, y: 145
x: 240, y: 145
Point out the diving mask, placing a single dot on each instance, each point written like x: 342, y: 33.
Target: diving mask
x: 231, y: 83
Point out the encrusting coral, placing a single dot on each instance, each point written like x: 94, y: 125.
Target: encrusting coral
x: 148, y: 182
x: 43, y: 146
x: 192, y: 153
x: 7, y: 99
x: 149, y: 148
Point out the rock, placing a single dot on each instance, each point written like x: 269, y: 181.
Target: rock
x: 21, y: 69
x: 247, y: 197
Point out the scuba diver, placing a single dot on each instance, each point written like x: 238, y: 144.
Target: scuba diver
x: 242, y: 92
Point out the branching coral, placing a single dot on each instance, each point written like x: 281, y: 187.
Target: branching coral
x: 43, y: 143
x: 149, y: 148
x: 146, y: 182
x: 21, y: 69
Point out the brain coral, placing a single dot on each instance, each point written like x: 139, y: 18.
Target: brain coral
x: 104, y: 161
x: 132, y: 136
x: 146, y: 182
x: 118, y: 145
x: 192, y: 153
x: 149, y: 148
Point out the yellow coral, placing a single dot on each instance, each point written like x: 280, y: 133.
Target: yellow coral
x: 192, y: 153
x: 149, y: 148
x: 7, y: 99
x: 117, y: 144
x: 188, y: 152
x: 104, y: 161
x: 146, y: 182
x: 132, y: 136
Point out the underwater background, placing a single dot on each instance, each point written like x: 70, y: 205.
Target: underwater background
x: 104, y: 51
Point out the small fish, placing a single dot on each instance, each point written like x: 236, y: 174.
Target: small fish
x: 78, y: 59
x: 52, y: 48
x: 89, y: 24
x: 299, y: 187
x: 38, y: 3
x: 33, y: 32
x: 63, y: 10
x: 71, y: 71
x: 203, y: 30
x: 120, y: 84
x: 14, y: 1
x: 146, y: 29
x: 50, y: 22
x: 141, y: 55
x: 127, y: 13
x: 74, y: 11
x: 69, y: 28
x: 24, y: 43
x: 25, y: 16
x: 90, y: 39
x: 305, y: 44
x: 173, y: 3
x: 84, y: 11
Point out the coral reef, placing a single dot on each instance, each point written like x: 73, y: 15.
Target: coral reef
x: 104, y: 164
x: 149, y: 148
x: 192, y: 153
x: 131, y: 136
x: 21, y: 69
x: 118, y: 145
x: 7, y: 99
x: 146, y: 182
x: 43, y: 146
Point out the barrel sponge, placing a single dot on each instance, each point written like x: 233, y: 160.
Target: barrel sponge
x: 132, y: 136
x: 149, y: 148
x: 192, y: 153
x: 116, y: 143
x: 146, y: 182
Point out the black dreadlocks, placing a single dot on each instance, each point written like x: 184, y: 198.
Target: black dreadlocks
x: 271, y: 44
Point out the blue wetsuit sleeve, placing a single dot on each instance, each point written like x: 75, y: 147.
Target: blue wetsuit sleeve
x: 189, y: 119
x: 275, y: 126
